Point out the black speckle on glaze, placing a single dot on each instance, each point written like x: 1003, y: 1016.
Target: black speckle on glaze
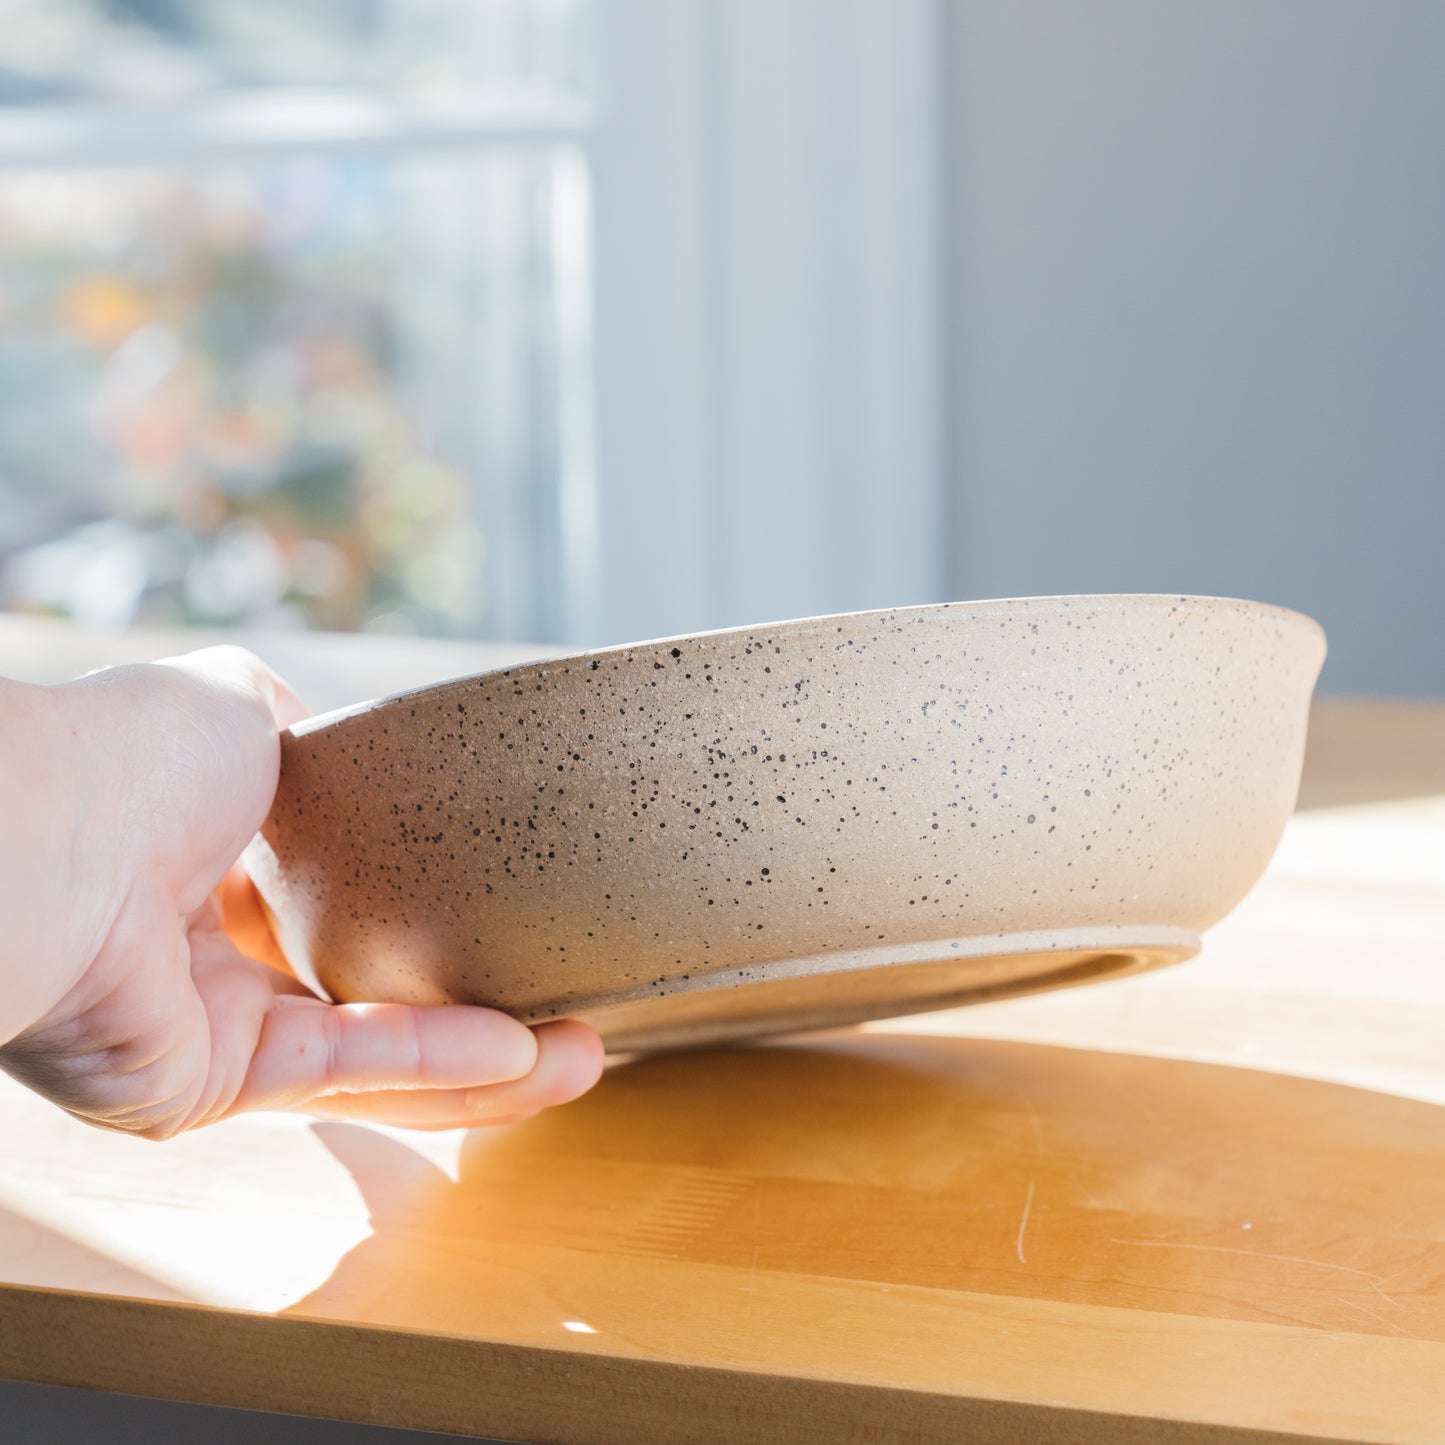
x: 712, y: 807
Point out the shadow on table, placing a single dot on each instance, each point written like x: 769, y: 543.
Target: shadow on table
x: 945, y: 1163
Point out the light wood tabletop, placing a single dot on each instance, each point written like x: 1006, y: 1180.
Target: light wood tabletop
x: 1203, y: 1204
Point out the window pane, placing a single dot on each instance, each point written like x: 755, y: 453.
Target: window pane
x: 167, y: 52
x: 322, y: 391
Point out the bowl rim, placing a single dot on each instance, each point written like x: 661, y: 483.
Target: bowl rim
x: 1089, y: 603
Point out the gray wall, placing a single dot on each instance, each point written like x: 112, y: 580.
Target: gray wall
x: 1198, y: 275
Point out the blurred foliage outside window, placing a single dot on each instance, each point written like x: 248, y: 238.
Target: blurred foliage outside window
x: 301, y: 384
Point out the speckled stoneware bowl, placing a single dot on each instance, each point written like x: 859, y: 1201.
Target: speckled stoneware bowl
x: 801, y: 824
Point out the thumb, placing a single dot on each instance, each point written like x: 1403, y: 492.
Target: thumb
x: 195, y: 740
x: 228, y: 716
x: 241, y: 670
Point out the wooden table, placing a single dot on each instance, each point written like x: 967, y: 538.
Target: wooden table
x: 1206, y: 1204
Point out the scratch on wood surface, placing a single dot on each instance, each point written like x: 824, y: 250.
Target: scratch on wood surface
x: 1374, y: 1279
x: 1024, y: 1224
x: 1364, y: 1310
x: 1034, y: 1125
x: 757, y: 1235
x: 682, y: 1215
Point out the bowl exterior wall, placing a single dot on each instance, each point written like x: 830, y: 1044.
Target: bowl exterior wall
x: 619, y: 824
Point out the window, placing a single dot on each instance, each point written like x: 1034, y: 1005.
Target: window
x: 295, y: 313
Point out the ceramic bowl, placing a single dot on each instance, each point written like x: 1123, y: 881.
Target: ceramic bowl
x: 801, y: 824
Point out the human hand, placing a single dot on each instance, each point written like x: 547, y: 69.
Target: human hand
x: 128, y: 796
